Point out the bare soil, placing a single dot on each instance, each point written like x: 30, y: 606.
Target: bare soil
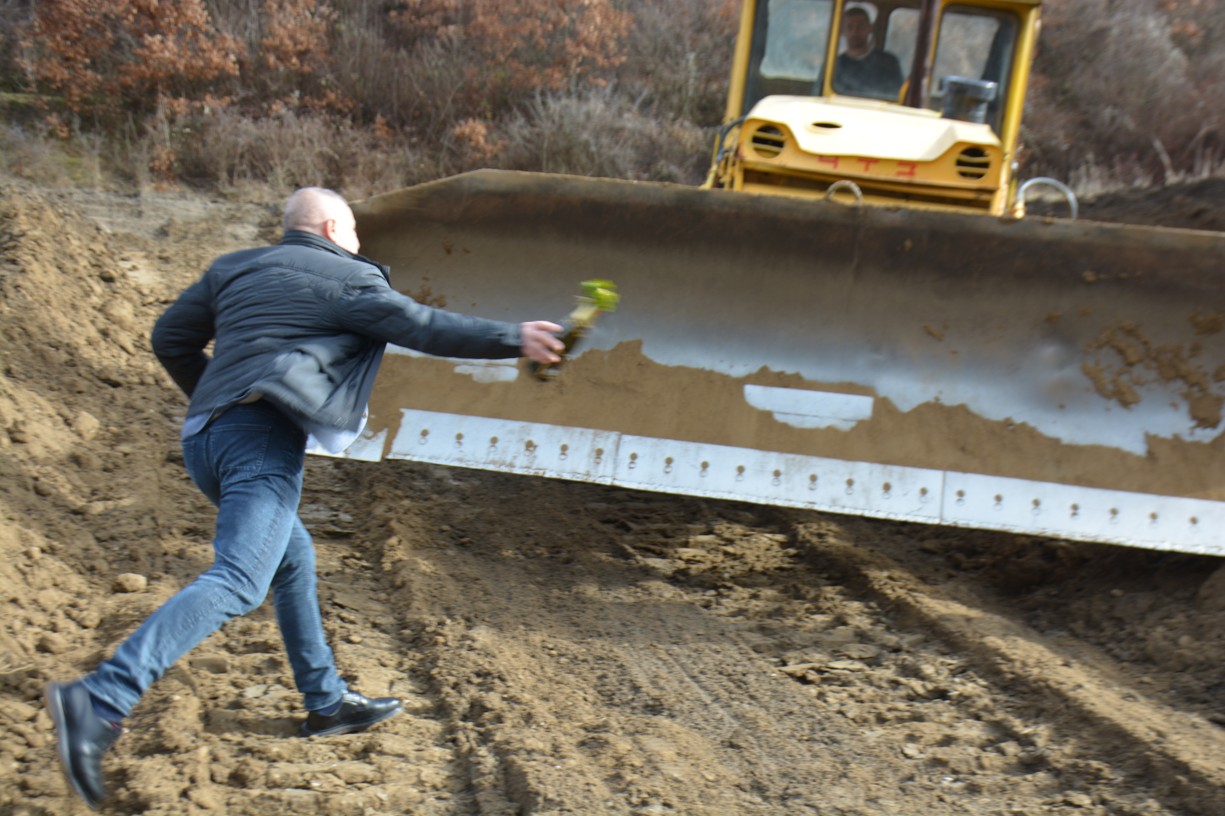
x: 561, y: 647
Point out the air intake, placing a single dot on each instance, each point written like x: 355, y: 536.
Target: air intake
x: 973, y: 163
x: 768, y: 141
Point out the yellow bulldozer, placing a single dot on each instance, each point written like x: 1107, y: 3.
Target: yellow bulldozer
x: 851, y: 314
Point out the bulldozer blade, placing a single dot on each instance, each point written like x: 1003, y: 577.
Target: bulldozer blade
x: 1050, y: 377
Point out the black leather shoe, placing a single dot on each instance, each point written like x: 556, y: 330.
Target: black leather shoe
x: 356, y: 713
x: 83, y: 738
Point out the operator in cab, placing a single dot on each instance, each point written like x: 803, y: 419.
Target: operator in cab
x: 862, y: 69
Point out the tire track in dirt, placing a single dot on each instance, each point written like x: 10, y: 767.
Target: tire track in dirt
x: 219, y: 733
x: 1177, y: 753
x: 603, y: 651
x: 576, y: 690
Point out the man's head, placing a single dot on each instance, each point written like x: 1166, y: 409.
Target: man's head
x: 324, y: 213
x: 857, y: 30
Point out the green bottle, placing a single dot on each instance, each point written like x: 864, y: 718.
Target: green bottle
x: 598, y: 296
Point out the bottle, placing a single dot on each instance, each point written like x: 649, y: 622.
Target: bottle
x: 598, y: 296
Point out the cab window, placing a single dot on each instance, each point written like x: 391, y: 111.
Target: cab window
x: 970, y: 74
x: 791, y: 38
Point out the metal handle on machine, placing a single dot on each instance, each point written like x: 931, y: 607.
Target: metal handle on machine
x: 1018, y: 210
x: 845, y: 184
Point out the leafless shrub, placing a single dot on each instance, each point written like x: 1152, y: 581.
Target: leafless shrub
x: 290, y: 151
x: 32, y: 156
x: 13, y: 15
x: 679, y: 55
x: 1117, y: 94
x: 28, y: 152
x: 369, y: 69
x: 1205, y: 153
x: 598, y: 133
x: 421, y: 91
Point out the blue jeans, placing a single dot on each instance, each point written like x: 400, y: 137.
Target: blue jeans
x: 249, y: 463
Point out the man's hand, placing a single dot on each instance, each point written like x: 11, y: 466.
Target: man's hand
x: 540, y: 341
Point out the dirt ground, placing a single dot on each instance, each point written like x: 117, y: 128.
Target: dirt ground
x: 562, y: 648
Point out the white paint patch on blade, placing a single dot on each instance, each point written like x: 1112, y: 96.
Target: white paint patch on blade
x: 366, y: 448
x: 489, y: 371
x: 483, y: 371
x: 801, y: 408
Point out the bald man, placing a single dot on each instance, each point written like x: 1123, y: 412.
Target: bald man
x: 299, y: 330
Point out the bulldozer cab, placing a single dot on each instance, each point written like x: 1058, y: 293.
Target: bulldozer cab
x: 917, y: 101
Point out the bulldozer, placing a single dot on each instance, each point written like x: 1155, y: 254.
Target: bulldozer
x: 853, y: 314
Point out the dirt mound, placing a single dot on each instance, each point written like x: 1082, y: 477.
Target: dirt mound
x: 562, y: 648
x: 1192, y: 205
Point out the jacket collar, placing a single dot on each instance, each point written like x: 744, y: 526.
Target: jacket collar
x: 304, y: 238
x: 310, y: 239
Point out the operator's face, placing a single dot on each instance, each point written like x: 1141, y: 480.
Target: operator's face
x: 857, y: 30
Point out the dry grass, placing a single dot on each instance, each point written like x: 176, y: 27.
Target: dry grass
x: 601, y: 133
x: 30, y: 153
x: 228, y: 150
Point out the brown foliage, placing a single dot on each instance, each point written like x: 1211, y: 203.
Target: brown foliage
x: 546, y: 43
x: 419, y: 20
x: 295, y: 32
x: 106, y: 57
x: 516, y: 47
x: 290, y: 68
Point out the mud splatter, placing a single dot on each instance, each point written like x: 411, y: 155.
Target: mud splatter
x: 1209, y: 323
x: 1134, y: 362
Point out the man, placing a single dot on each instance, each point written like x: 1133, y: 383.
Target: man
x: 862, y: 70
x: 299, y: 330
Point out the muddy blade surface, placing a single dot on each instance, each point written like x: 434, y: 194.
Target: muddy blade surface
x: 1049, y: 377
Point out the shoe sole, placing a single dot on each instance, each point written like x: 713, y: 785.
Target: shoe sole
x: 54, y: 697
x: 351, y: 728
